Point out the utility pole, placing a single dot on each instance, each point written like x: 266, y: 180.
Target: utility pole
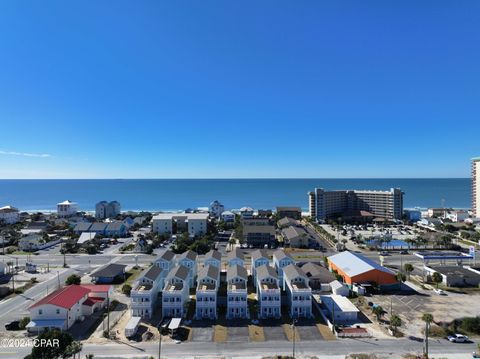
x: 427, y: 328
x: 108, y: 315
x: 293, y: 326
x: 333, y: 316
x: 64, y: 257
x: 160, y: 342
x: 58, y: 278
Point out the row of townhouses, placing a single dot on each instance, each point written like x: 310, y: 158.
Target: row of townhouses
x: 171, y: 278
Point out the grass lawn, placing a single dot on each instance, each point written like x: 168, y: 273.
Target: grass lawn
x: 131, y: 276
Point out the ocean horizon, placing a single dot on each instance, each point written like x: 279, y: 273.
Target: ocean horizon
x: 259, y: 193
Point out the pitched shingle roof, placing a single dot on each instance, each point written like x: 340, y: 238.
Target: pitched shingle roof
x: 236, y: 253
x: 318, y: 272
x: 188, y: 255
x: 293, y: 271
x: 98, y: 227
x: 213, y: 254
x: 180, y: 272
x: 208, y: 271
x: 82, y: 227
x: 153, y: 272
x: 115, y: 226
x: 279, y: 254
x: 109, y: 271
x: 287, y: 221
x: 237, y: 271
x: 168, y: 255
x: 293, y: 232
x: 259, y: 253
x: 265, y: 271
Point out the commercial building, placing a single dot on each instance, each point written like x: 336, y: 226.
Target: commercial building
x: 340, y: 309
x: 455, y: 276
x: 9, y: 215
x: 194, y: 223
x: 324, y: 204
x: 67, y: 208
x: 175, y: 294
x: 104, y: 209
x: 357, y: 269
x: 299, y: 293
x: 206, y: 295
x: 237, y: 305
x: 145, y: 292
x: 292, y: 212
x: 268, y: 292
x: 476, y: 187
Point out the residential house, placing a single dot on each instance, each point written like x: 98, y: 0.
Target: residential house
x: 280, y: 261
x: 99, y: 228
x: 213, y: 258
x: 296, y: 237
x: 216, y: 209
x: 228, y: 217
x: 9, y: 215
x: 189, y: 260
x: 268, y: 292
x: 237, y: 305
x: 82, y: 227
x: 166, y: 260
x: 146, y: 291
x: 287, y: 222
x: 246, y: 212
x: 235, y: 257
x: 207, y: 290
x: 109, y: 273
x: 67, y: 209
x: 299, y: 294
x: 319, y: 277
x: 176, y: 292
x: 116, y: 228
x: 259, y: 258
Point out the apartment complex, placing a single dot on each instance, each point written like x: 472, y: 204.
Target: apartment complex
x: 343, y: 203
x: 104, y: 209
x: 194, y: 223
x: 476, y: 186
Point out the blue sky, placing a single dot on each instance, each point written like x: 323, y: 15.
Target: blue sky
x: 135, y: 89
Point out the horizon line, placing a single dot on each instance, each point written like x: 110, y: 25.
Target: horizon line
x: 220, y: 178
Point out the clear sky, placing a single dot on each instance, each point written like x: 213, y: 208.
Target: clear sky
x: 135, y: 89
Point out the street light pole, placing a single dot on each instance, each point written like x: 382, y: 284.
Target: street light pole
x: 160, y: 343
x: 293, y: 349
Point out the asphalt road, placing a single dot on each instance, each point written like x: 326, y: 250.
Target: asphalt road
x: 389, y: 347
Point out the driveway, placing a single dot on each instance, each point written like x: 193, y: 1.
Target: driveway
x: 204, y: 334
x: 308, y: 332
x: 238, y: 334
x: 274, y: 333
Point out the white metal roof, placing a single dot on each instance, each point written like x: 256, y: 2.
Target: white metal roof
x: 174, y: 323
x: 354, y: 264
x: 133, y: 323
x: 341, y: 302
x: 86, y: 236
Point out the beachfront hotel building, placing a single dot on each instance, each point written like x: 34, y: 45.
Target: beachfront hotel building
x: 324, y: 204
x: 476, y: 186
x: 194, y: 223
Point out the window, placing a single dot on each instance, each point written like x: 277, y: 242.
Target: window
x: 40, y: 312
x: 58, y: 311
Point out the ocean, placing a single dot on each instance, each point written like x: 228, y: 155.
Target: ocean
x: 179, y: 194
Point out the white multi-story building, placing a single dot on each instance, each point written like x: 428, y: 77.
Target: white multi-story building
x: 166, y: 260
x: 237, y: 305
x: 216, y: 209
x: 246, y: 212
x: 67, y: 208
x: 194, y: 223
x: 228, y: 217
x: 176, y: 293
x: 268, y: 292
x: 106, y: 209
x: 207, y: 289
x: 280, y: 261
x: 213, y: 258
x: 146, y: 291
x: 259, y: 258
x: 236, y: 257
x: 457, y: 215
x: 476, y: 187
x: 327, y: 204
x: 189, y: 260
x: 9, y: 215
x: 299, y: 293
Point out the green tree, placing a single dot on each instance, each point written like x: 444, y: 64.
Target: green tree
x: 127, y: 289
x: 401, y: 277
x: 437, y: 278
x: 73, y: 279
x: 23, y: 322
x: 395, y: 322
x: 73, y: 349
x: 378, y: 311
x: 52, y: 352
x: 408, y: 269
x: 428, y: 319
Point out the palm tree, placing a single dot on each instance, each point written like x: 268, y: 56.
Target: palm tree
x: 408, y: 269
x: 437, y: 278
x: 378, y: 311
x: 395, y: 322
x: 428, y: 319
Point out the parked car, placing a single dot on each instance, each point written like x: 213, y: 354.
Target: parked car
x: 457, y: 338
x: 439, y: 291
x: 14, y: 325
x: 404, y: 252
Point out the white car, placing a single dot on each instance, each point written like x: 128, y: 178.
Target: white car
x: 439, y: 291
x: 457, y: 338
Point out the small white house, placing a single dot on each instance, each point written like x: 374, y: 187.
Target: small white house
x: 67, y: 208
